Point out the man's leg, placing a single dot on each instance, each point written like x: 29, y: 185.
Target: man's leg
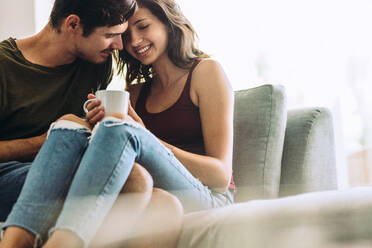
x: 161, y: 224
x: 12, y: 177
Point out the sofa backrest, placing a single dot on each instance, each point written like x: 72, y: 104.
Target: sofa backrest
x: 259, y: 126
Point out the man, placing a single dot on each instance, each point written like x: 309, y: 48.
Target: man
x: 47, y: 75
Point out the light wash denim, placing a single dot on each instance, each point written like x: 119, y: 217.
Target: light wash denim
x: 74, y: 181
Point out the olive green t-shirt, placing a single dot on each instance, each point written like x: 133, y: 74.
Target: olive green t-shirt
x: 33, y: 96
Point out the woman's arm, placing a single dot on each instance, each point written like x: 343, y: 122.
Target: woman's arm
x: 211, y: 91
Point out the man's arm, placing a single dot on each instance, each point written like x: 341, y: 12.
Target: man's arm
x: 22, y: 150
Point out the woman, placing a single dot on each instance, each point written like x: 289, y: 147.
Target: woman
x: 178, y: 94
x: 183, y: 98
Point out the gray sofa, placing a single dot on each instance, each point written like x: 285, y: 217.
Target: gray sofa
x: 280, y: 157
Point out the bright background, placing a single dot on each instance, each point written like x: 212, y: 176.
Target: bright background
x: 320, y: 50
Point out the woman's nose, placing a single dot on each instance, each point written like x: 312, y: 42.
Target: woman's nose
x: 135, y: 39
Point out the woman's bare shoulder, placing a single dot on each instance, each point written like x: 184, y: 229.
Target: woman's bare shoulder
x: 208, y: 73
x: 208, y: 65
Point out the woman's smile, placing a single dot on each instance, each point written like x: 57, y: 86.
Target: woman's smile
x: 143, y: 51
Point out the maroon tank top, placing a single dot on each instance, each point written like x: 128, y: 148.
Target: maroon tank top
x: 178, y: 125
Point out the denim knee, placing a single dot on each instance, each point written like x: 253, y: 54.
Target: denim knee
x: 68, y: 125
x: 111, y: 121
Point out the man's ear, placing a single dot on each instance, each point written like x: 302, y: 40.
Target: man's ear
x: 72, y: 23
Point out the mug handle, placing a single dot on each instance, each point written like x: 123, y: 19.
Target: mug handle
x: 85, y: 104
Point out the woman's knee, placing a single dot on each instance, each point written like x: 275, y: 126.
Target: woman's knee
x: 139, y: 181
x: 164, y: 200
x: 74, y: 118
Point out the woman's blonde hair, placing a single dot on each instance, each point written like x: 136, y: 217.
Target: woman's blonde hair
x: 182, y: 38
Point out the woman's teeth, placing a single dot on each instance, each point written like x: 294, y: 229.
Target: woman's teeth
x: 143, y: 50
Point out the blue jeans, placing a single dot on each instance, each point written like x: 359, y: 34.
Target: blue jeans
x: 73, y: 182
x: 12, y: 177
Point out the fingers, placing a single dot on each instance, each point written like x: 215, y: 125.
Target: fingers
x: 91, y: 96
x: 132, y: 113
x: 93, y: 104
x: 95, y: 111
x: 95, y: 115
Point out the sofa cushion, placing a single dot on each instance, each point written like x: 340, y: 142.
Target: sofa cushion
x: 259, y: 126
x: 308, y: 162
x: 322, y: 219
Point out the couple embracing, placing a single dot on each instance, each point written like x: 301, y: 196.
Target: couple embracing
x: 73, y: 179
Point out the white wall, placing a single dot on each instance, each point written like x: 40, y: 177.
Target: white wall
x: 42, y: 12
x: 21, y: 18
x: 16, y: 18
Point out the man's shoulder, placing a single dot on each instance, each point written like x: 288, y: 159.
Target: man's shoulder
x: 8, y: 49
x: 8, y: 45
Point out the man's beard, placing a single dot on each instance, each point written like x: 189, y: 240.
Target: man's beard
x: 94, y: 59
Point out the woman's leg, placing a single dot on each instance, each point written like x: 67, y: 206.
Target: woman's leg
x: 114, y: 148
x: 47, y: 183
x: 127, y: 210
x: 102, y: 173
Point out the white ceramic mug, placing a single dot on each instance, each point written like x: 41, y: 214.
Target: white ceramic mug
x: 114, y: 101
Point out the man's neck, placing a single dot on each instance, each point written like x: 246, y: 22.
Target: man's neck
x: 47, y: 48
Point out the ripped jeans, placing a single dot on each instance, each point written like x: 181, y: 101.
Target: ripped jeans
x: 74, y: 180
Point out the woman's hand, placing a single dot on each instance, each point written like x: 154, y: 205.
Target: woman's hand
x: 132, y: 113
x: 96, y: 112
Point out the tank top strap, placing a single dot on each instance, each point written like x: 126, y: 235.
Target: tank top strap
x: 186, y: 90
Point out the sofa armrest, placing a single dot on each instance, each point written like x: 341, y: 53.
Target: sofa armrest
x: 259, y: 125
x: 308, y: 161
